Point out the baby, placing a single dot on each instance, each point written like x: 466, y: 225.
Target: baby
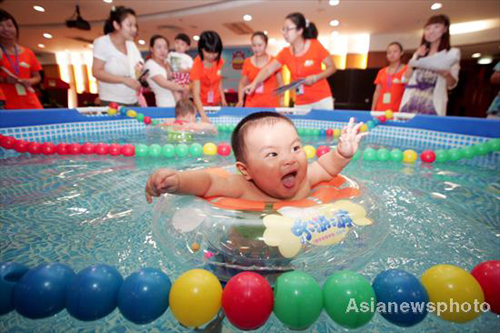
x: 180, y: 62
x: 271, y: 161
x: 185, y: 119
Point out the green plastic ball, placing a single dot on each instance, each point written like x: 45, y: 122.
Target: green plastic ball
x: 154, y: 150
x: 196, y: 150
x: 369, y: 154
x: 141, y: 150
x: 455, y: 154
x: 442, y: 156
x: 168, y: 151
x: 396, y: 155
x: 383, y: 155
x: 181, y: 150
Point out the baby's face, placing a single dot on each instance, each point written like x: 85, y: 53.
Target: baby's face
x: 275, y: 159
x: 180, y: 46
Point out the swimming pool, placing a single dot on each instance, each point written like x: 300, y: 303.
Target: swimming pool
x: 89, y: 209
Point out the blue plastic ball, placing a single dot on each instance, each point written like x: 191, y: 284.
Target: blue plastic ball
x: 10, y: 274
x: 94, y: 292
x: 143, y: 296
x: 370, y: 124
x: 41, y: 292
x: 395, y: 287
x: 322, y: 132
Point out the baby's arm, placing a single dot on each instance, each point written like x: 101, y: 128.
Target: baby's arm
x: 331, y: 164
x: 206, y: 127
x: 196, y: 182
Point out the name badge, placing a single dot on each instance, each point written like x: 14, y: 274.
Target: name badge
x: 210, y: 97
x: 308, y: 63
x: 21, y: 90
x: 386, y: 98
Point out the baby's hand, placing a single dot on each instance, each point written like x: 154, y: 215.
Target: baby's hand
x: 162, y: 181
x: 350, y: 139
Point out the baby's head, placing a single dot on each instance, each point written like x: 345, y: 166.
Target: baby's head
x: 182, y: 42
x: 185, y: 110
x: 269, y: 153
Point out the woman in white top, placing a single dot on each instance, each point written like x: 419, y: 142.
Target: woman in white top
x: 432, y: 71
x: 117, y: 61
x: 158, y: 76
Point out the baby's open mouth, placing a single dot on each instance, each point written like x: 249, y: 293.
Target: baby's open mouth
x: 289, y: 179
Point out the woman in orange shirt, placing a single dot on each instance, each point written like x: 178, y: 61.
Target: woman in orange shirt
x: 206, y: 73
x: 263, y: 96
x: 19, y: 67
x: 303, y: 58
x: 389, y: 81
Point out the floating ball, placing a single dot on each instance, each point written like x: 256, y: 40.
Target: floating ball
x: 41, y: 292
x: 154, y: 150
x: 112, y: 112
x: 195, y: 297
x: 74, y: 149
x: 301, y: 131
x: 93, y: 293
x: 247, y: 300
x: 195, y: 150
x: 488, y: 275
x: 114, y: 149
x: 147, y: 120
x: 34, y: 148
x: 87, y: 148
x: 310, y: 151
x: 442, y: 155
x: 181, y: 150
x: 131, y: 113
x: 168, y: 151
x: 376, y: 121
x: 343, y: 293
x: 409, y: 156
x: 143, y: 296
x: 369, y: 154
x: 446, y: 284
x: 101, y: 149
x: 336, y: 133
x: 322, y: 132
x: 127, y: 150
x: 382, y: 119
x: 389, y: 114
x: 141, y: 150
x: 357, y: 155
x: 396, y: 155
x: 363, y: 128
x: 224, y: 149
x: 210, y: 149
x: 454, y: 154
x: 10, y: 274
x: 140, y: 117
x: 383, y: 155
x: 394, y: 288
x: 428, y: 156
x: 493, y: 145
x: 21, y: 146
x: 316, y: 132
x: 8, y: 142
x: 468, y: 152
x: 482, y: 148
x: 329, y: 132
x: 322, y: 150
x: 298, y: 300
x: 155, y: 122
x: 113, y: 105
x: 48, y: 148
x: 122, y: 110
x: 370, y: 124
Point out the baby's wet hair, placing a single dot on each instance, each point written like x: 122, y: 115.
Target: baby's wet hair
x: 254, y: 119
x: 184, y: 107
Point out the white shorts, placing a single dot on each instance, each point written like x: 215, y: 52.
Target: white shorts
x: 324, y: 104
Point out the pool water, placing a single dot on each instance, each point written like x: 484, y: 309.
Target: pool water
x: 84, y: 210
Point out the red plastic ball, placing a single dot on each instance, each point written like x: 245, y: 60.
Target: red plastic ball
x: 247, y: 300
x: 147, y: 120
x: 21, y: 146
x: 101, y: 149
x: 382, y: 119
x: 322, y: 150
x: 34, y: 148
x: 74, y: 149
x: 128, y: 150
x: 329, y: 132
x: 87, y: 148
x: 488, y: 276
x: 428, y: 156
x: 114, y: 149
x: 224, y: 149
x: 8, y: 142
x: 48, y: 148
x: 113, y: 105
x: 62, y: 149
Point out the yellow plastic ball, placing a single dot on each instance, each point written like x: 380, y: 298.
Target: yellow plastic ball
x: 457, y: 289
x: 195, y: 297
x: 310, y: 151
x: 131, y: 113
x: 336, y: 133
x: 363, y: 128
x: 409, y: 156
x: 210, y: 148
x: 388, y: 114
x: 112, y: 111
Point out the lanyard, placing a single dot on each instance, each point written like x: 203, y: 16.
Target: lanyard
x: 389, y: 76
x: 16, y: 59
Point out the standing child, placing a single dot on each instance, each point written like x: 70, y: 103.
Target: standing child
x: 180, y: 62
x: 389, y: 81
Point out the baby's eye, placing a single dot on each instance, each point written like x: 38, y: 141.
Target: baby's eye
x: 296, y: 148
x: 273, y: 154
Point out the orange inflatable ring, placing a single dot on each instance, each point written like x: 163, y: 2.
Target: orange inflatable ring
x: 321, y: 193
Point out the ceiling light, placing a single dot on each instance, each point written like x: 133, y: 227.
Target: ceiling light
x: 142, y: 42
x: 108, y: 1
x: 476, y: 55
x: 196, y: 37
x: 247, y: 18
x: 39, y: 9
x: 90, y: 46
x: 272, y: 40
x: 472, y: 26
x: 265, y: 32
x: 333, y: 2
x: 334, y: 23
x: 47, y: 35
x: 436, y: 6
x: 42, y: 46
x: 485, y: 61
